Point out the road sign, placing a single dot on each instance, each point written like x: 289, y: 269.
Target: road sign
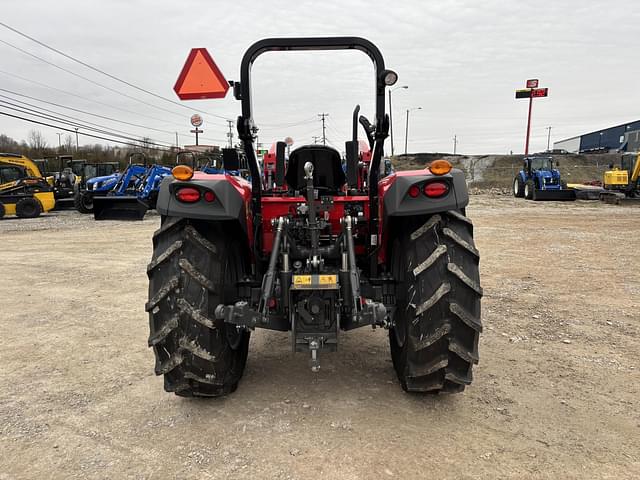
x: 532, y: 91
x: 200, y: 78
x: 539, y: 92
x: 196, y: 120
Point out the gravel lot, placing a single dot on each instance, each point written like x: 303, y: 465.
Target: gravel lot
x: 555, y: 394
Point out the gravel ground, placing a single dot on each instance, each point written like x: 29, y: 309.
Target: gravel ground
x: 555, y: 394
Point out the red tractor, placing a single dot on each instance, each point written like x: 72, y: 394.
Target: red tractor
x: 314, y: 249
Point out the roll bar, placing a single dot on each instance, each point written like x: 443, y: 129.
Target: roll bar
x: 247, y: 129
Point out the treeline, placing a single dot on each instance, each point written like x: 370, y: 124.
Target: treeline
x: 35, y: 146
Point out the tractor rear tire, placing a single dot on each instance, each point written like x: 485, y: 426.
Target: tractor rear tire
x: 437, y: 325
x: 529, y: 190
x: 518, y: 187
x: 194, y: 268
x: 28, y: 208
x: 82, y: 202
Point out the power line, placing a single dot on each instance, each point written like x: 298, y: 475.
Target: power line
x: 324, y: 135
x: 89, y: 113
x: 80, y: 133
x: 13, y: 75
x: 79, y: 111
x: 76, y: 122
x: 271, y: 126
x: 70, y: 72
x: 113, y: 77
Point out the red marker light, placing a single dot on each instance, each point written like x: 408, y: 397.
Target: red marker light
x: 209, y: 196
x: 435, y: 189
x: 188, y: 195
x: 414, y: 191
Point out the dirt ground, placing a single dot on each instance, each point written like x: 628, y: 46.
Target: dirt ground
x: 555, y: 394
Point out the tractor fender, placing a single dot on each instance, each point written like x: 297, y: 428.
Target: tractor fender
x: 232, y: 199
x: 394, y: 190
x: 523, y: 176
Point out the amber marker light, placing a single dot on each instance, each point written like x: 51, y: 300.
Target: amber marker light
x: 440, y: 167
x: 182, y: 172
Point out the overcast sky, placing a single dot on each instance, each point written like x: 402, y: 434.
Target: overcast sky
x: 462, y: 61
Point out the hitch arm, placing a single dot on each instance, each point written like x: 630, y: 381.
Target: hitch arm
x: 269, y: 279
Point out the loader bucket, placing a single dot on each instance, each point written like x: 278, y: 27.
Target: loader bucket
x: 557, y: 195
x: 588, y: 193
x: 119, y: 208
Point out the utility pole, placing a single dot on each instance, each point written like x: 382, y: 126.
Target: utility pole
x: 455, y: 143
x: 315, y: 139
x: 230, y: 134
x: 406, y: 131
x: 391, y: 114
x: 59, y: 142
x: 324, y: 136
x: 177, y: 144
x: 548, y: 138
x: 77, y: 142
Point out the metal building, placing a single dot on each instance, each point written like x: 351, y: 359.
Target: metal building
x: 622, y: 137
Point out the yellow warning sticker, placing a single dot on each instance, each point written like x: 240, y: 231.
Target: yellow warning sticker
x: 302, y: 279
x: 328, y: 279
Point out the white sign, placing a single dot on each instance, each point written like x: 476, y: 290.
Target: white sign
x: 196, y: 120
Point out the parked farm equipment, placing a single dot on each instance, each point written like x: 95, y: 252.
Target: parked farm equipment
x: 622, y: 184
x: 314, y: 251
x: 540, y: 180
x: 97, y: 179
x: 23, y: 190
x: 62, y: 173
x: 134, y: 193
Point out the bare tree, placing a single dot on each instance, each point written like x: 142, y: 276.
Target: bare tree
x: 8, y: 144
x: 36, y: 141
x: 69, y: 143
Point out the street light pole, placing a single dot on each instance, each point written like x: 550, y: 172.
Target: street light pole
x: 406, y: 132
x: 391, y: 114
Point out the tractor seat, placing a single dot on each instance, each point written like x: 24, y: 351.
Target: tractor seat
x: 327, y: 168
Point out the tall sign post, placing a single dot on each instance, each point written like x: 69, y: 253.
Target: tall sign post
x: 532, y: 91
x: 196, y: 121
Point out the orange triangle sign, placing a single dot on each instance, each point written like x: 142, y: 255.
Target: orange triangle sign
x: 200, y: 77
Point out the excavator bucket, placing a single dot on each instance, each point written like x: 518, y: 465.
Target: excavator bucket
x: 557, y: 195
x: 119, y: 208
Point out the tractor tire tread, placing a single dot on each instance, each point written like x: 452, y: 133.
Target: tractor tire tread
x: 442, y: 309
x: 187, y: 275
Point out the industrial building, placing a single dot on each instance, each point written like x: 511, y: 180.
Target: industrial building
x: 624, y: 137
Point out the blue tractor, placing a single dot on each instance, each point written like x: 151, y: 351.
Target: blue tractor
x: 540, y: 180
x: 134, y: 193
x: 93, y: 187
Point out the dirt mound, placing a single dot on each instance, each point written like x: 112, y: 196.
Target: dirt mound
x: 498, y: 171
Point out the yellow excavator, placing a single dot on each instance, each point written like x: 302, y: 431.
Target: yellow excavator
x: 23, y: 191
x: 622, y: 183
